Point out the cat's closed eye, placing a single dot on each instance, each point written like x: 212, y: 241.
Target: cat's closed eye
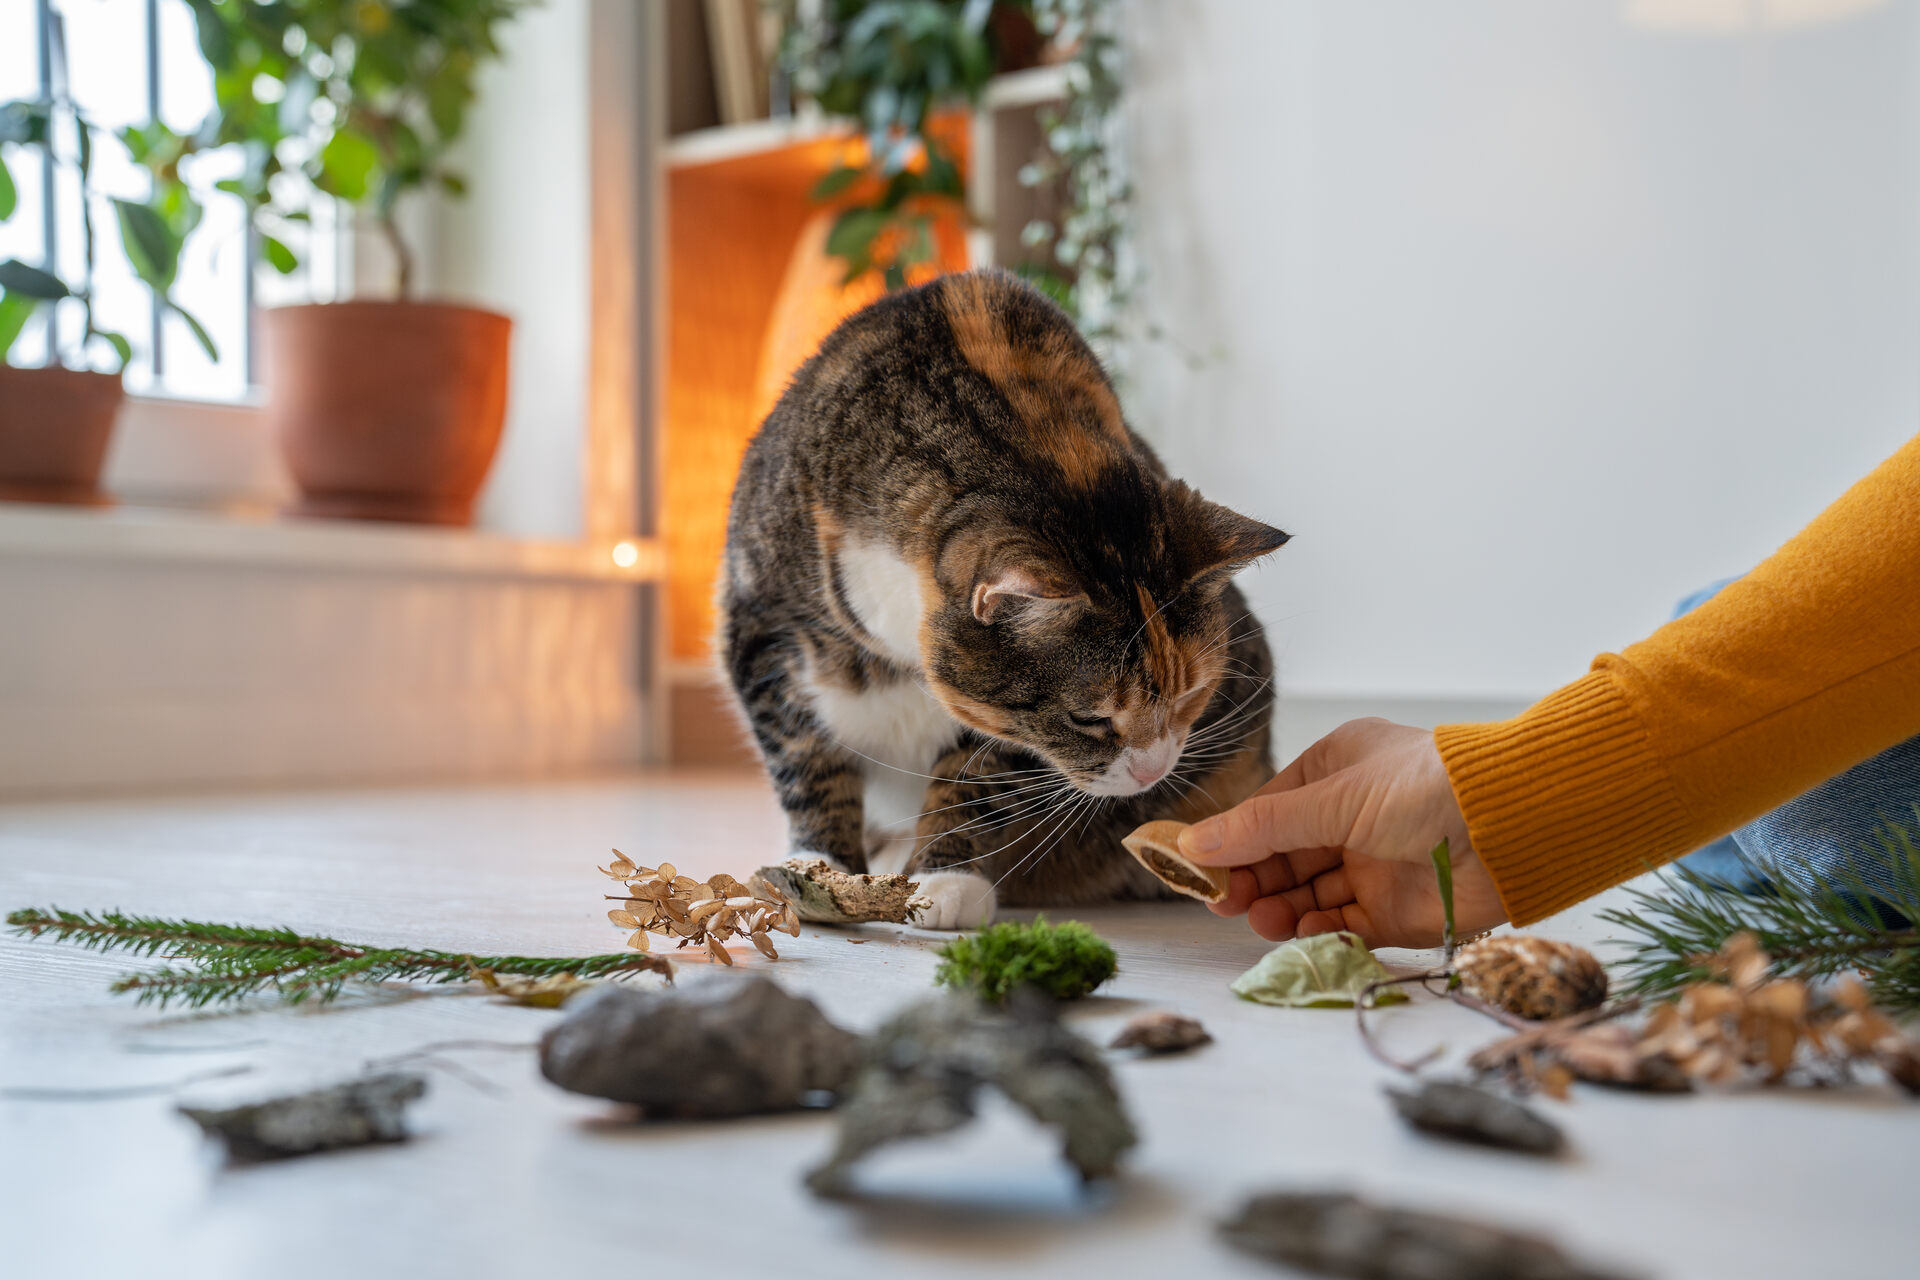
x: 1098, y: 726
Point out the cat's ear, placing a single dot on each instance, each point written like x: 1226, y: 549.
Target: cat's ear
x: 1221, y: 542
x: 1020, y: 584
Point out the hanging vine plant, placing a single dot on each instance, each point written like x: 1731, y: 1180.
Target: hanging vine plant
x: 891, y: 64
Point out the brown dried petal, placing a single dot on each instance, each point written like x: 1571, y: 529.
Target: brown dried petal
x: 709, y: 907
x: 620, y: 866
x: 765, y: 944
x: 638, y: 940
x: 666, y: 871
x: 624, y: 919
x: 719, y: 952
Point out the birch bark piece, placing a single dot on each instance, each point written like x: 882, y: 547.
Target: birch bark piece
x: 820, y: 893
x: 1157, y: 847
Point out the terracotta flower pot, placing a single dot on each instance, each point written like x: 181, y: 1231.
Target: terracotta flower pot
x: 387, y: 410
x: 54, y: 428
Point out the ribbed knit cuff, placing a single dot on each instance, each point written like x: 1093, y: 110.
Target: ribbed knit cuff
x: 1564, y: 800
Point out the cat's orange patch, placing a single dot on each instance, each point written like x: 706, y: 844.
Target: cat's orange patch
x: 1166, y: 665
x: 1057, y: 390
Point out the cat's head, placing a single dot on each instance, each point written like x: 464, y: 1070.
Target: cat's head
x: 1094, y: 638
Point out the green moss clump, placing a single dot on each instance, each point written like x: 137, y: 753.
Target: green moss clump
x: 1064, y: 960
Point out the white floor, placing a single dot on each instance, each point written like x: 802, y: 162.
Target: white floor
x: 519, y: 1179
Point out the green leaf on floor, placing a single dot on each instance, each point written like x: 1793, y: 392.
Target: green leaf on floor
x: 1326, y: 971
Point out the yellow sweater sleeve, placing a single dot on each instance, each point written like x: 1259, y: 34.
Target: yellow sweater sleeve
x: 1798, y: 671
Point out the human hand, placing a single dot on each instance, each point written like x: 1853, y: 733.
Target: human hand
x: 1340, y: 840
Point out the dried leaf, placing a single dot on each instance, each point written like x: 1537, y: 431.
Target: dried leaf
x: 765, y: 944
x: 625, y: 919
x: 1325, y: 971
x: 666, y: 871
x: 622, y: 865
x: 638, y: 940
x: 720, y: 953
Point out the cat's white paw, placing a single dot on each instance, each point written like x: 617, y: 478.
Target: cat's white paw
x: 961, y: 900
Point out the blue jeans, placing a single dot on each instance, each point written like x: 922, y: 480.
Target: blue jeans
x: 1827, y: 836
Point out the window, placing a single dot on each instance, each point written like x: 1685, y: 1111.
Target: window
x: 128, y: 62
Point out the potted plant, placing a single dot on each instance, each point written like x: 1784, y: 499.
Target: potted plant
x: 57, y: 419
x: 387, y: 409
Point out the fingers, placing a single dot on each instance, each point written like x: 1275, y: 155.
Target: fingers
x: 1276, y: 875
x: 1314, y: 816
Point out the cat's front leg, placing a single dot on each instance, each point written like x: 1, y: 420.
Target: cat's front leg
x: 819, y: 783
x: 966, y: 804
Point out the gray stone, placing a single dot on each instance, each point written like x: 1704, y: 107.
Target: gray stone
x: 925, y: 1068
x: 1469, y: 1114
x: 722, y: 1045
x: 1336, y: 1234
x: 353, y: 1114
x: 1161, y: 1032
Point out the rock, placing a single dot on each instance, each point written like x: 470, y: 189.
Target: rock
x: 1161, y: 1032
x: 353, y: 1114
x: 823, y: 894
x: 1471, y: 1114
x: 721, y: 1046
x: 1336, y: 1234
x: 925, y: 1068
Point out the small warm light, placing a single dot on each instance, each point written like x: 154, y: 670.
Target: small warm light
x: 626, y: 555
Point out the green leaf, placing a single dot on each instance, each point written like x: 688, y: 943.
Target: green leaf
x: 118, y: 341
x: 15, y: 310
x: 347, y: 162
x: 215, y: 42
x: 1326, y: 971
x: 151, y: 245
x: 854, y: 231
x: 279, y: 257
x: 17, y: 277
x: 200, y: 333
x: 26, y: 123
x: 452, y: 183
x: 1443, y: 874
x: 9, y: 194
x: 836, y: 181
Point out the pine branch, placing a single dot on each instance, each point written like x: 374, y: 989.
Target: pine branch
x: 1810, y: 932
x: 225, y: 963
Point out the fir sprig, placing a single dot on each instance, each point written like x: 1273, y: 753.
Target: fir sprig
x: 1831, y: 927
x: 220, y: 963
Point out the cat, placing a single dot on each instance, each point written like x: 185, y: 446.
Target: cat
x: 977, y: 631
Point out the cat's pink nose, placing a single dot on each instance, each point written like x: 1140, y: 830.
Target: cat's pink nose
x: 1147, y: 772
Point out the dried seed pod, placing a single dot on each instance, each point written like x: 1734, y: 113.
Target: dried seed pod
x: 1532, y: 977
x: 719, y: 952
x: 1157, y: 847
x: 761, y: 941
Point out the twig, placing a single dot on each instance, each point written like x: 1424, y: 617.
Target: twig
x: 1361, y: 1005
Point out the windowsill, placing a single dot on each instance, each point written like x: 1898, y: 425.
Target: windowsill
x: 265, y: 540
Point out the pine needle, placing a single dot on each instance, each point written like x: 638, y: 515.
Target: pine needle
x: 221, y: 963
x: 1832, y: 927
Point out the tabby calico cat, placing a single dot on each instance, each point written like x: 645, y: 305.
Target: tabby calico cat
x: 975, y: 627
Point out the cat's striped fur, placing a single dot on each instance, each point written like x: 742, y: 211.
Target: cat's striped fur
x: 973, y: 624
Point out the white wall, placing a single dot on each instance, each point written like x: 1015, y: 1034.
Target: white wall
x: 1531, y: 318
x: 519, y: 243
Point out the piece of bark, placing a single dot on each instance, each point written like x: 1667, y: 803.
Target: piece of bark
x: 925, y: 1068
x: 1161, y: 1032
x: 1338, y: 1234
x: 353, y: 1114
x: 1468, y: 1114
x: 720, y: 1046
x: 823, y: 894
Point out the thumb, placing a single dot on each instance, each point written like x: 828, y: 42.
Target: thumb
x: 1318, y: 815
